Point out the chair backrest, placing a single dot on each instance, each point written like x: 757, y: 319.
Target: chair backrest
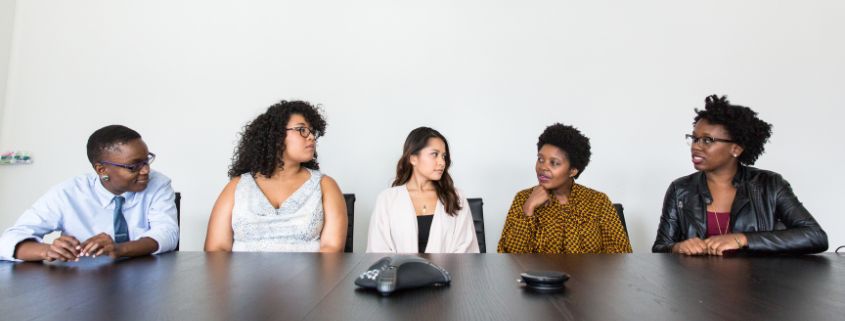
x: 350, y: 225
x: 476, y: 207
x: 620, y: 211
x: 178, y: 218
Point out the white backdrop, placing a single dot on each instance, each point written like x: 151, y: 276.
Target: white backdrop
x: 490, y: 75
x: 7, y: 18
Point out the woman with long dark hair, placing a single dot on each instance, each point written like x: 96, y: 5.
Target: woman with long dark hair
x: 423, y: 212
x: 277, y: 199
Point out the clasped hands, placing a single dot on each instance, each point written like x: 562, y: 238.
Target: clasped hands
x: 716, y: 245
x: 68, y: 248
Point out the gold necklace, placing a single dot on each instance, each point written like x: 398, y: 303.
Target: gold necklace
x: 719, y: 226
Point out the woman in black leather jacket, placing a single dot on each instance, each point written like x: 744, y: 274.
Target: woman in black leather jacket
x: 727, y: 205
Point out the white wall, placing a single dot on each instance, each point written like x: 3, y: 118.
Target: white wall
x: 7, y: 19
x: 489, y: 75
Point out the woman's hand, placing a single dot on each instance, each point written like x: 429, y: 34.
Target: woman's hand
x: 717, y: 245
x: 539, y: 196
x: 693, y: 246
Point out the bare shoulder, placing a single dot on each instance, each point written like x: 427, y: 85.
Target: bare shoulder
x: 326, y: 179
x: 225, y: 202
x: 328, y: 184
x: 232, y: 184
x: 234, y: 181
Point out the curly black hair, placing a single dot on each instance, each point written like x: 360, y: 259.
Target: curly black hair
x: 107, y: 138
x: 748, y: 131
x: 262, y: 141
x: 569, y: 139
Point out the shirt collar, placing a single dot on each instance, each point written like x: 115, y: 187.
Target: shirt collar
x: 106, y: 198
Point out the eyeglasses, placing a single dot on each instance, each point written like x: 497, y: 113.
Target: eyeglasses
x: 305, y: 131
x: 135, y: 167
x: 706, y: 140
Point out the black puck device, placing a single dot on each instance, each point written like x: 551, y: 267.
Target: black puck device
x: 544, y: 281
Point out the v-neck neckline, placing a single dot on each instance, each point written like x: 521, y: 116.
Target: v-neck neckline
x: 282, y: 204
x: 411, y: 203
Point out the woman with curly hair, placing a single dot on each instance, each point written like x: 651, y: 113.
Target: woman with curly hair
x: 729, y: 206
x: 277, y: 199
x: 423, y: 212
x: 559, y: 215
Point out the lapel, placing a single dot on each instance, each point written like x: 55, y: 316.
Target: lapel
x: 406, y: 228
x: 439, y: 236
x: 698, y: 212
x: 742, y: 198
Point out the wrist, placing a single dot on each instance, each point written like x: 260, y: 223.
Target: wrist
x: 119, y: 250
x: 741, y: 240
x: 674, y: 248
x: 43, y: 249
x: 528, y: 210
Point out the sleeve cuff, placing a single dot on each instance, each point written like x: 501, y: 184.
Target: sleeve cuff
x: 166, y: 243
x: 8, y: 243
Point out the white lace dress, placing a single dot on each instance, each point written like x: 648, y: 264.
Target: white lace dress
x: 294, y: 227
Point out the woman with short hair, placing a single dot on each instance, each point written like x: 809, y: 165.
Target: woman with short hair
x: 559, y: 215
x: 727, y: 205
x: 122, y: 209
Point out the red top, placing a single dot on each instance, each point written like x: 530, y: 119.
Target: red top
x: 718, y: 223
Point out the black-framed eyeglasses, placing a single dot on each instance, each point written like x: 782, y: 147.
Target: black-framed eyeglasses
x: 706, y: 140
x: 305, y: 131
x: 135, y: 167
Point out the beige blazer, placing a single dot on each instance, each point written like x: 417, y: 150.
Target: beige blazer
x: 393, y: 226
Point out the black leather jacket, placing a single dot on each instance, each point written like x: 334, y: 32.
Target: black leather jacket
x: 763, y: 199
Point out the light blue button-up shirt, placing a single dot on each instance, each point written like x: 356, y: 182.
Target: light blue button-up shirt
x: 81, y: 207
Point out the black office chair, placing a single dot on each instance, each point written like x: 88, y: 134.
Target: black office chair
x: 350, y: 225
x: 178, y: 218
x: 476, y: 207
x: 620, y: 210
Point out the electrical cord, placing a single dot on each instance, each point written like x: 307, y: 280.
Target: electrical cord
x: 839, y: 248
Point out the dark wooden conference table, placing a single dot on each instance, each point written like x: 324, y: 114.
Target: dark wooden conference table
x: 276, y: 286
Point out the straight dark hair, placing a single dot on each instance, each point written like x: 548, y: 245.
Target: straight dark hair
x: 416, y: 141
